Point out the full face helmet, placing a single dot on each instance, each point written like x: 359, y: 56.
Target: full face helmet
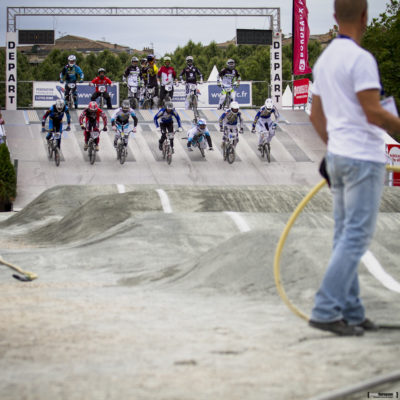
x: 150, y: 58
x: 169, y: 106
x: 59, y: 105
x: 92, y: 109
x: 101, y: 71
x: 143, y: 62
x: 189, y: 60
x: 135, y: 61
x: 235, y: 107
x: 126, y: 106
x: 201, y: 125
x: 167, y: 61
x: 230, y: 64
x: 71, y: 60
x: 268, y: 104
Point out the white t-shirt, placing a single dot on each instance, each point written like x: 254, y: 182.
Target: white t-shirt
x: 343, y: 70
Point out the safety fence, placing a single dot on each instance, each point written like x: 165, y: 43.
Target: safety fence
x: 251, y: 94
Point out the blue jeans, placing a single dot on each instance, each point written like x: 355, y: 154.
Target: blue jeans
x: 357, y: 188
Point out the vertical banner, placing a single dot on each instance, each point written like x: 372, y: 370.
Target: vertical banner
x: 11, y: 71
x: 301, y: 33
x: 276, y: 69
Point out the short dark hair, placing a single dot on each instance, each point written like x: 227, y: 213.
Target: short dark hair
x: 349, y: 10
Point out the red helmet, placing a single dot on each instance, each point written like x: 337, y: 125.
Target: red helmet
x: 93, y: 106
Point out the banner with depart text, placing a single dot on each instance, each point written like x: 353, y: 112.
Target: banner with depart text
x: 301, y: 34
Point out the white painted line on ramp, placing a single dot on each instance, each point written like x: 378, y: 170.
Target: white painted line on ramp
x: 375, y: 268
x: 121, y: 188
x: 166, y: 205
x: 239, y: 221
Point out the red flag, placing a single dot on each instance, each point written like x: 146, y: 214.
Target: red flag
x: 301, y: 33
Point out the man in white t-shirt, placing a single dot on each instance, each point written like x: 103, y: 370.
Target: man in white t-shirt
x: 347, y: 114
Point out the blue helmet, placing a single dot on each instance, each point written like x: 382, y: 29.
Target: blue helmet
x: 201, y: 125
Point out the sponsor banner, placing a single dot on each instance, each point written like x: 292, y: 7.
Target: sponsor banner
x: 394, y: 153
x: 300, y: 91
x: 243, y: 94
x: 301, y: 33
x: 46, y: 93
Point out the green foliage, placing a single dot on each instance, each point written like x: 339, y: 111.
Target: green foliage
x: 382, y: 40
x: 8, y: 178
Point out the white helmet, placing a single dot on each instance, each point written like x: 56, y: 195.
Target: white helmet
x: 235, y: 107
x: 230, y: 63
x: 126, y: 105
x: 201, y: 125
x: 71, y: 59
x: 59, y: 105
x: 268, y: 104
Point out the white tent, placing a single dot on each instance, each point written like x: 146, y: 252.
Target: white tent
x: 213, y: 75
x: 287, y: 98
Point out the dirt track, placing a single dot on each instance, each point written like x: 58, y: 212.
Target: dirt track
x: 135, y: 303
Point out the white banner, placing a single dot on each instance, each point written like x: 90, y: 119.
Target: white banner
x: 45, y: 93
x: 276, y: 69
x: 11, y: 71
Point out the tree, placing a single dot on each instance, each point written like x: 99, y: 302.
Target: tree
x: 8, y: 180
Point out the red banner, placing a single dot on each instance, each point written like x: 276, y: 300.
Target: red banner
x: 301, y: 33
x: 394, y: 153
x: 300, y: 91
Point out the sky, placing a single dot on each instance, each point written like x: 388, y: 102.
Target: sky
x: 165, y: 34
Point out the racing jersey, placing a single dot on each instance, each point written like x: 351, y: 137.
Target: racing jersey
x: 121, y: 117
x: 190, y: 74
x: 167, y: 75
x: 71, y: 74
x: 193, y: 132
x: 133, y: 74
x: 230, y: 118
x: 166, y: 117
x: 228, y: 76
x: 56, y: 115
x: 93, y: 119
x: 149, y: 74
x: 98, y: 82
x: 263, y: 116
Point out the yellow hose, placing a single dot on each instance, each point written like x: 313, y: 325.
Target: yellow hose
x: 285, y: 233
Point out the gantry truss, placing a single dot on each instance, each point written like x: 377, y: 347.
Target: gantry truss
x: 272, y: 14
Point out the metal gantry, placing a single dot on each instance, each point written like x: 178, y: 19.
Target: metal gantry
x: 272, y: 14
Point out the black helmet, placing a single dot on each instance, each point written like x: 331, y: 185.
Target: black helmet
x: 150, y: 57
